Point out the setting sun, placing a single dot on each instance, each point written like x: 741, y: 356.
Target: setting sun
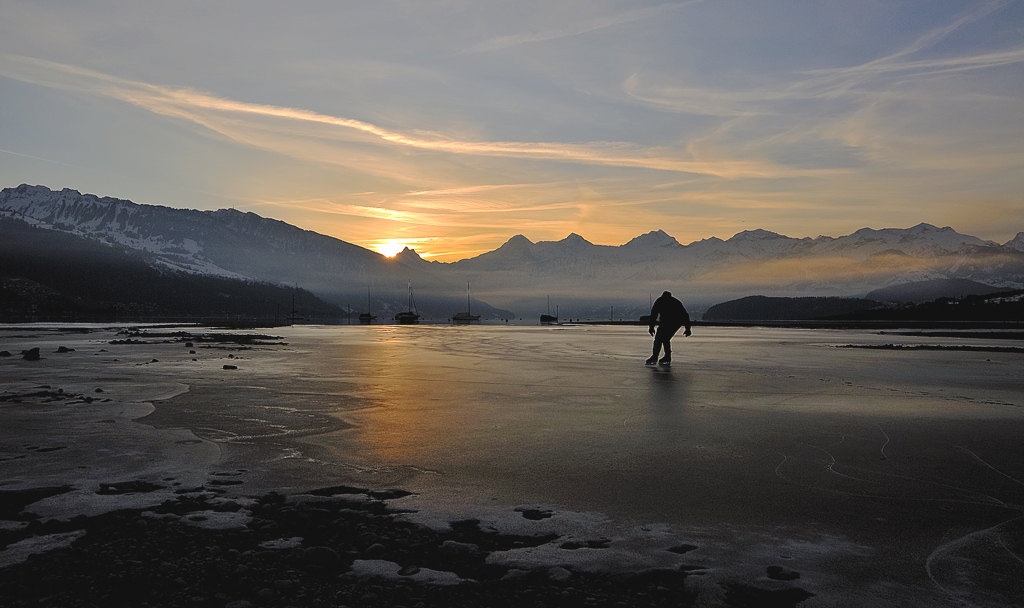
x: 425, y: 247
x: 390, y: 247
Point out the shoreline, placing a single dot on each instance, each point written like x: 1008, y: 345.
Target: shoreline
x: 257, y: 324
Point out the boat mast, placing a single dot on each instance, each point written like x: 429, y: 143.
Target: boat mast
x: 412, y: 301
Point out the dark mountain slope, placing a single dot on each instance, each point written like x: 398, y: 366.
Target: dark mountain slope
x: 52, y: 275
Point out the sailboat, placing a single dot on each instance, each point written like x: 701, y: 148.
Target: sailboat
x: 409, y: 316
x: 295, y: 316
x: 466, y: 317
x: 548, y: 318
x: 367, y: 316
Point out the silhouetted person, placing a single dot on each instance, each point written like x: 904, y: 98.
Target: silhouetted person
x: 670, y: 315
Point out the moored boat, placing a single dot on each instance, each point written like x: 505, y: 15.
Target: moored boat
x: 409, y: 316
x: 468, y: 316
x: 367, y: 316
x: 548, y: 318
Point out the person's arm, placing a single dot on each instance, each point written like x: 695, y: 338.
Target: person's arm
x: 654, y: 317
x: 686, y: 317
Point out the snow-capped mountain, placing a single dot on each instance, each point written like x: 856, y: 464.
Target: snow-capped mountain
x: 111, y: 220
x: 234, y: 244
x: 521, y: 274
x: 206, y: 242
x: 654, y: 240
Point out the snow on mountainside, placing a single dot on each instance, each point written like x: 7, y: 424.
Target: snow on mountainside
x: 749, y: 262
x: 652, y: 240
x: 141, y: 227
x: 520, y: 274
x: 211, y: 242
x: 230, y: 243
x: 921, y: 240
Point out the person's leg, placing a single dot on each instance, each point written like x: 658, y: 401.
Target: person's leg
x: 657, y: 350
x: 664, y: 335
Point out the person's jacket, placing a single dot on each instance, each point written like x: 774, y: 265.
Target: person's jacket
x: 669, y: 311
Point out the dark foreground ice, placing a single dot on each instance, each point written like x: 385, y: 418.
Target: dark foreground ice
x: 767, y: 456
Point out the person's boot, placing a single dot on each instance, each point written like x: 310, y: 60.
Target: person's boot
x: 652, y: 360
x: 665, y: 361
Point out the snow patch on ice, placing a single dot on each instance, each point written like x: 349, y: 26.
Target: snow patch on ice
x: 283, y: 543
x: 378, y: 568
x: 218, y: 520
x: 12, y: 526
x: 21, y: 550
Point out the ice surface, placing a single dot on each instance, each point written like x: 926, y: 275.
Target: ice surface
x: 873, y: 474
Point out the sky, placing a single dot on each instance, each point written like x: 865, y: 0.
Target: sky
x: 451, y: 126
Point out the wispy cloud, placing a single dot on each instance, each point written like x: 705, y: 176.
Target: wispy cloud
x: 816, y: 84
x: 840, y: 79
x: 576, y: 29
x: 823, y: 84
x: 333, y: 208
x: 462, y: 190
x: 45, y: 160
x: 832, y: 82
x: 220, y: 115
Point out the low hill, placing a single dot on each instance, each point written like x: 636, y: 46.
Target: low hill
x: 1000, y: 307
x: 926, y: 291
x: 763, y: 308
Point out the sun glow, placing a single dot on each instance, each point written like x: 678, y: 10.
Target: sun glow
x: 425, y: 247
x: 389, y: 248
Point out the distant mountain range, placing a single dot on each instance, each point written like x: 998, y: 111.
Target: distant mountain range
x: 756, y: 261
x: 584, y: 279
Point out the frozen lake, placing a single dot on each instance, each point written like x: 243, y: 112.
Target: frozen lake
x: 882, y: 477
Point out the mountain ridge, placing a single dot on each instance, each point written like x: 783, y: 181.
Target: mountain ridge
x: 49, y: 275
x: 520, y: 273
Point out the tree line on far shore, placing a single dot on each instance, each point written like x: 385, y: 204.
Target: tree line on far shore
x: 1007, y: 306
